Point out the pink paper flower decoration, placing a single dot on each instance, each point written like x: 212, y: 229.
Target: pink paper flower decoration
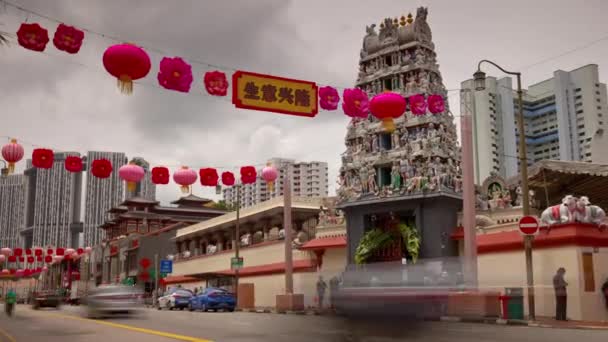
x: 417, y: 104
x: 175, y: 74
x: 436, y: 104
x: 355, y: 103
x: 328, y: 98
x: 216, y: 83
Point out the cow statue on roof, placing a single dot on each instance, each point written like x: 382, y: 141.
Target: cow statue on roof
x: 588, y: 213
x: 561, y: 213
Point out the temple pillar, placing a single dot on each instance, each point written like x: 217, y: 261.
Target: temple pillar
x: 197, y: 245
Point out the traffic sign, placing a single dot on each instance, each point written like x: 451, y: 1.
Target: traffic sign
x: 528, y: 225
x: 166, y: 266
x: 236, y: 263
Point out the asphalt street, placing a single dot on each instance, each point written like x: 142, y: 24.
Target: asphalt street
x: 68, y: 324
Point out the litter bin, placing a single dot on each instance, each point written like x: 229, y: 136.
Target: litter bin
x: 514, y: 302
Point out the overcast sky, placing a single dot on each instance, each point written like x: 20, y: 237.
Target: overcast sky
x: 69, y: 102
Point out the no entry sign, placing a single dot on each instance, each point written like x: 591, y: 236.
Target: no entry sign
x: 528, y: 225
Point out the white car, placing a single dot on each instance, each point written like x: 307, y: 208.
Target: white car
x: 175, y: 298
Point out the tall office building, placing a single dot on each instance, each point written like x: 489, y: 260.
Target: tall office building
x: 52, y: 205
x: 101, y: 195
x: 308, y: 179
x: 12, y: 204
x: 564, y: 119
x: 145, y: 188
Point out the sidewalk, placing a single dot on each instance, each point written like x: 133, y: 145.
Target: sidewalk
x: 541, y: 322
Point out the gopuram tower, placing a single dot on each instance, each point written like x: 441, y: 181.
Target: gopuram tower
x: 413, y: 173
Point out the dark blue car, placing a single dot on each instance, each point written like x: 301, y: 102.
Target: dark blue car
x: 213, y: 299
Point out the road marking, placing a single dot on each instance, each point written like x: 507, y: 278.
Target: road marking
x: 132, y: 328
x: 8, y: 337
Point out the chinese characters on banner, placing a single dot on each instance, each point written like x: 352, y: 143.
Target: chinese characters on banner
x: 274, y: 94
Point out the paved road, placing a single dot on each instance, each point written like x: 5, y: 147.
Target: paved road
x: 159, y: 326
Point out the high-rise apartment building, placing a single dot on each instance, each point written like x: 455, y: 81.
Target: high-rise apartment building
x: 145, y: 188
x: 12, y: 205
x: 101, y: 195
x: 52, y: 205
x: 564, y: 119
x: 308, y: 179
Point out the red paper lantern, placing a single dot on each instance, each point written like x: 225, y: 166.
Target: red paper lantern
x: 33, y: 37
x: 48, y: 259
x: 127, y: 63
x: 185, y: 177
x: 73, y: 163
x: 12, y: 271
x: 80, y: 251
x: 49, y: 251
x: 21, y: 259
x: 37, y: 252
x: 30, y: 259
x: 60, y: 251
x: 132, y: 174
x: 12, y: 153
x: 68, y: 38
x: 160, y: 175
x: 145, y: 263
x: 248, y: 175
x: 39, y: 259
x: 386, y: 107
x: 208, y: 176
x: 18, y: 251
x: 101, y: 168
x: 216, y: 83
x: 28, y: 251
x: 6, y: 251
x: 12, y: 258
x: 27, y: 272
x: 42, y: 158
x: 228, y: 178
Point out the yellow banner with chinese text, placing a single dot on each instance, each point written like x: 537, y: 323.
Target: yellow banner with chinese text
x: 274, y: 94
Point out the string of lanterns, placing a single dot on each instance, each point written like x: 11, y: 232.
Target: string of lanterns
x: 131, y: 173
x: 14, y: 258
x: 129, y: 62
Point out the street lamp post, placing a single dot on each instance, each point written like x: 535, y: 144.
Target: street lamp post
x: 479, y: 82
x: 237, y: 241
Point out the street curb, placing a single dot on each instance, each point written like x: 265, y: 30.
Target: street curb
x: 453, y: 319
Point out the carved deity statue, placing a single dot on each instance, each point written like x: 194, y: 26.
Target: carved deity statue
x: 363, y: 173
x: 420, y: 56
x: 410, y: 85
x: 395, y: 176
x: 406, y: 57
x: 371, y: 179
x: 423, y: 82
x: 375, y: 142
x: 395, y: 138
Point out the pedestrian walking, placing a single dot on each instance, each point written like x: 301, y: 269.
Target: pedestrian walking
x: 321, y: 287
x: 561, y: 295
x: 334, y: 284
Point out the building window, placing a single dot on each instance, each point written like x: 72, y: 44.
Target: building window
x: 588, y: 276
x: 388, y: 85
x: 577, y: 90
x: 578, y: 97
x: 388, y: 60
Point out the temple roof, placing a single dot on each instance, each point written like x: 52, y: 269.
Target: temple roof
x: 191, y: 201
x: 139, y: 201
x: 554, y: 179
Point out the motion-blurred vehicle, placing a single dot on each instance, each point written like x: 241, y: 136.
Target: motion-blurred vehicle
x: 175, y: 298
x: 114, y: 299
x: 213, y: 299
x: 46, y: 299
x: 419, y: 290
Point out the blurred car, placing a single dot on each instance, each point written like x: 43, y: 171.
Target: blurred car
x: 175, y: 298
x: 417, y: 290
x: 114, y: 299
x: 213, y: 299
x: 46, y: 299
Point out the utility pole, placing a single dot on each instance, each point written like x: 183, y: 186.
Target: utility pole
x: 287, y: 228
x: 468, y: 190
x: 237, y: 241
x: 156, y: 275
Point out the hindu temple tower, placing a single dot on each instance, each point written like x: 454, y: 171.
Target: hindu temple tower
x: 412, y: 174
